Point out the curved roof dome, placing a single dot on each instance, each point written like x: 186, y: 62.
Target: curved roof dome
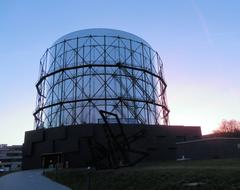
x: 101, y: 32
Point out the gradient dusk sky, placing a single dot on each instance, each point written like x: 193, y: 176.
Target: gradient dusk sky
x: 198, y: 41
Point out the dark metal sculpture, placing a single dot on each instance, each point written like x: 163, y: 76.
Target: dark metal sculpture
x: 118, y: 151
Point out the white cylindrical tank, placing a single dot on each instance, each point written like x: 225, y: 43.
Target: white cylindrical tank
x: 90, y: 70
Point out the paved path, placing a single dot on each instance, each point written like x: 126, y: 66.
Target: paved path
x: 28, y: 180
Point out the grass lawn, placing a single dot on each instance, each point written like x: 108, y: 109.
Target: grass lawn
x: 209, y: 174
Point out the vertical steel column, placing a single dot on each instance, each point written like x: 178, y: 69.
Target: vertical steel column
x: 133, y: 82
x: 83, y: 77
x: 90, y: 79
x: 44, y: 87
x: 53, y: 83
x: 120, y: 73
x: 105, y: 72
x: 62, y: 86
x: 145, y: 82
x: 76, y: 85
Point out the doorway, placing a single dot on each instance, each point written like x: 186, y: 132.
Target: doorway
x: 52, y: 160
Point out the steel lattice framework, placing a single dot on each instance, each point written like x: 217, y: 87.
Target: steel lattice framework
x: 80, y: 76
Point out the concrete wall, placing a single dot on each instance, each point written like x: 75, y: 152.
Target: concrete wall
x: 72, y: 142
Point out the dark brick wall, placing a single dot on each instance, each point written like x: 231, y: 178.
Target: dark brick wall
x: 212, y: 148
x: 159, y: 142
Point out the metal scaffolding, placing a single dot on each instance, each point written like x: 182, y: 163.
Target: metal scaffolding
x: 85, y: 74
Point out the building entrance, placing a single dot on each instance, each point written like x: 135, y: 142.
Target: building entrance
x: 52, y: 160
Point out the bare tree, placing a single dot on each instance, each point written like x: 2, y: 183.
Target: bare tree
x: 229, y: 127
